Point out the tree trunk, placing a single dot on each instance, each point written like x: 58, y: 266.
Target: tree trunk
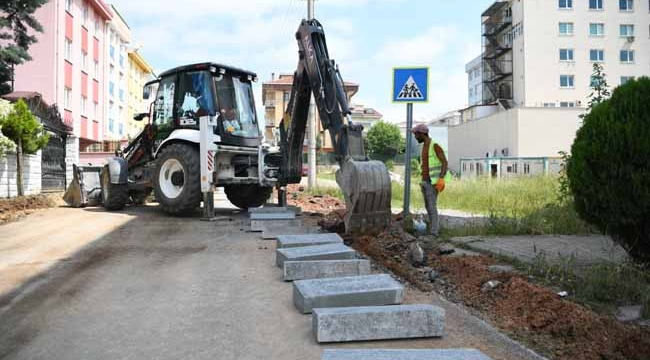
x: 19, y: 167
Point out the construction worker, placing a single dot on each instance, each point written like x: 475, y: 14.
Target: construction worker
x: 433, y: 164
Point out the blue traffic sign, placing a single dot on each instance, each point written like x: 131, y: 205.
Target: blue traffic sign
x: 411, y: 84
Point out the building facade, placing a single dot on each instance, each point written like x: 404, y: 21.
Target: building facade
x: 118, y: 38
x: 365, y: 116
x: 275, y: 96
x: 474, y: 81
x: 540, y: 53
x: 139, y: 73
x: 67, y: 67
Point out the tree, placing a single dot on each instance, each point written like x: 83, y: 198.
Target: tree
x: 599, y: 87
x: 22, y: 128
x: 15, y: 23
x: 384, y: 140
x: 5, y: 144
x: 609, y: 171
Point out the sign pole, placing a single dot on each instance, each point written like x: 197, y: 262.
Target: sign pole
x: 407, y: 160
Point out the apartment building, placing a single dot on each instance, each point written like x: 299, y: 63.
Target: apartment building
x: 474, y: 81
x: 275, y: 96
x: 138, y: 74
x: 365, y: 116
x: 67, y: 67
x: 537, y: 65
x: 540, y: 53
x: 118, y: 38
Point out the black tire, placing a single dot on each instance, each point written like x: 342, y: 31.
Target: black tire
x: 247, y: 196
x: 140, y: 197
x: 114, y: 196
x: 180, y: 193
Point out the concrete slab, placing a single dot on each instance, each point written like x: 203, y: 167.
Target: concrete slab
x: 586, y: 250
x: 316, y: 252
x: 317, y: 269
x: 287, y: 241
x: 265, y: 225
x: 284, y: 215
x: 273, y: 233
x: 378, y: 322
x: 395, y: 354
x: 366, y: 290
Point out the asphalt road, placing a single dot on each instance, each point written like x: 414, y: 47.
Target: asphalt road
x: 143, y: 285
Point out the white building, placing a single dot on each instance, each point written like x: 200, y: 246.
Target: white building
x: 119, y: 36
x: 474, y: 81
x: 539, y: 54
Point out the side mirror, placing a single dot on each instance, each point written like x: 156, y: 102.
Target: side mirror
x: 146, y: 92
x: 140, y: 116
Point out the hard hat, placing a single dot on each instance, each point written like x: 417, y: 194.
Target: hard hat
x: 420, y: 128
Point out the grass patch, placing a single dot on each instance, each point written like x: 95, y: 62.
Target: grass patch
x: 320, y: 191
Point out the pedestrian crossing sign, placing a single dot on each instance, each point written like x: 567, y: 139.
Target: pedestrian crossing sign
x: 410, y: 84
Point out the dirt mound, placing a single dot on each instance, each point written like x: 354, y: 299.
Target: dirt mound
x: 531, y: 313
x: 15, y: 208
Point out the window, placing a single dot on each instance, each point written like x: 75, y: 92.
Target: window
x: 120, y: 126
x: 164, y: 113
x: 567, y: 104
x: 83, y: 105
x: 595, y: 81
x: 68, y: 50
x: 68, y: 6
x: 95, y: 110
x: 596, y: 55
x: 471, y: 92
x: 625, y: 79
x: 112, y: 52
x: 84, y: 61
x: 286, y: 97
x: 566, y: 81
x: 566, y: 4
x: 546, y: 104
x: 596, y: 29
x: 595, y: 4
x: 84, y: 13
x: 566, y: 54
x: 111, y: 88
x: 566, y: 28
x: 111, y: 125
x: 626, y: 30
x: 526, y: 168
x: 121, y: 95
x: 67, y: 97
x: 627, y: 56
x: 626, y: 5
x: 96, y: 69
x: 96, y: 26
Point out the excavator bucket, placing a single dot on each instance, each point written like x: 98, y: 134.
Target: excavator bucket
x: 85, y: 187
x: 367, y: 190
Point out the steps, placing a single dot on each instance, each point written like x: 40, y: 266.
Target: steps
x: 287, y: 241
x: 365, y: 290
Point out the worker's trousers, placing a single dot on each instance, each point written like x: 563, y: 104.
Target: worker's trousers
x: 431, y: 203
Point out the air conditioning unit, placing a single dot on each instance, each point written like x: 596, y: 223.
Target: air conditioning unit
x: 630, y: 39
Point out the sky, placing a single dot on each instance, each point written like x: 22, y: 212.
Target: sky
x: 366, y: 38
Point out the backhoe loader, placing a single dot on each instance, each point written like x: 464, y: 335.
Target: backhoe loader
x: 203, y: 132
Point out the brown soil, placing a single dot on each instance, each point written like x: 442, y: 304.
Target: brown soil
x: 15, y: 208
x: 530, y: 313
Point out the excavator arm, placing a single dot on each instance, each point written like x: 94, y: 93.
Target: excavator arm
x: 365, y: 183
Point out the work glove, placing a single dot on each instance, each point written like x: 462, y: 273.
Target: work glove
x: 440, y: 185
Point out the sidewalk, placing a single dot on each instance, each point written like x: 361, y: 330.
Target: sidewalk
x: 587, y: 250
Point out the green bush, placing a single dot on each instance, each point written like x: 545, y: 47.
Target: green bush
x: 390, y: 165
x: 609, y: 167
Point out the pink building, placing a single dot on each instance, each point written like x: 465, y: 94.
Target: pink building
x: 68, y: 66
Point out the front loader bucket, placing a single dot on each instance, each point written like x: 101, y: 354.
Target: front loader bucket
x: 85, y: 187
x: 367, y: 190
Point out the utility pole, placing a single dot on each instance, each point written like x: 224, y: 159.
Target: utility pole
x: 311, y: 154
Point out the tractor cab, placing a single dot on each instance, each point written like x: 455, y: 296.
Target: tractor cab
x: 184, y: 94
